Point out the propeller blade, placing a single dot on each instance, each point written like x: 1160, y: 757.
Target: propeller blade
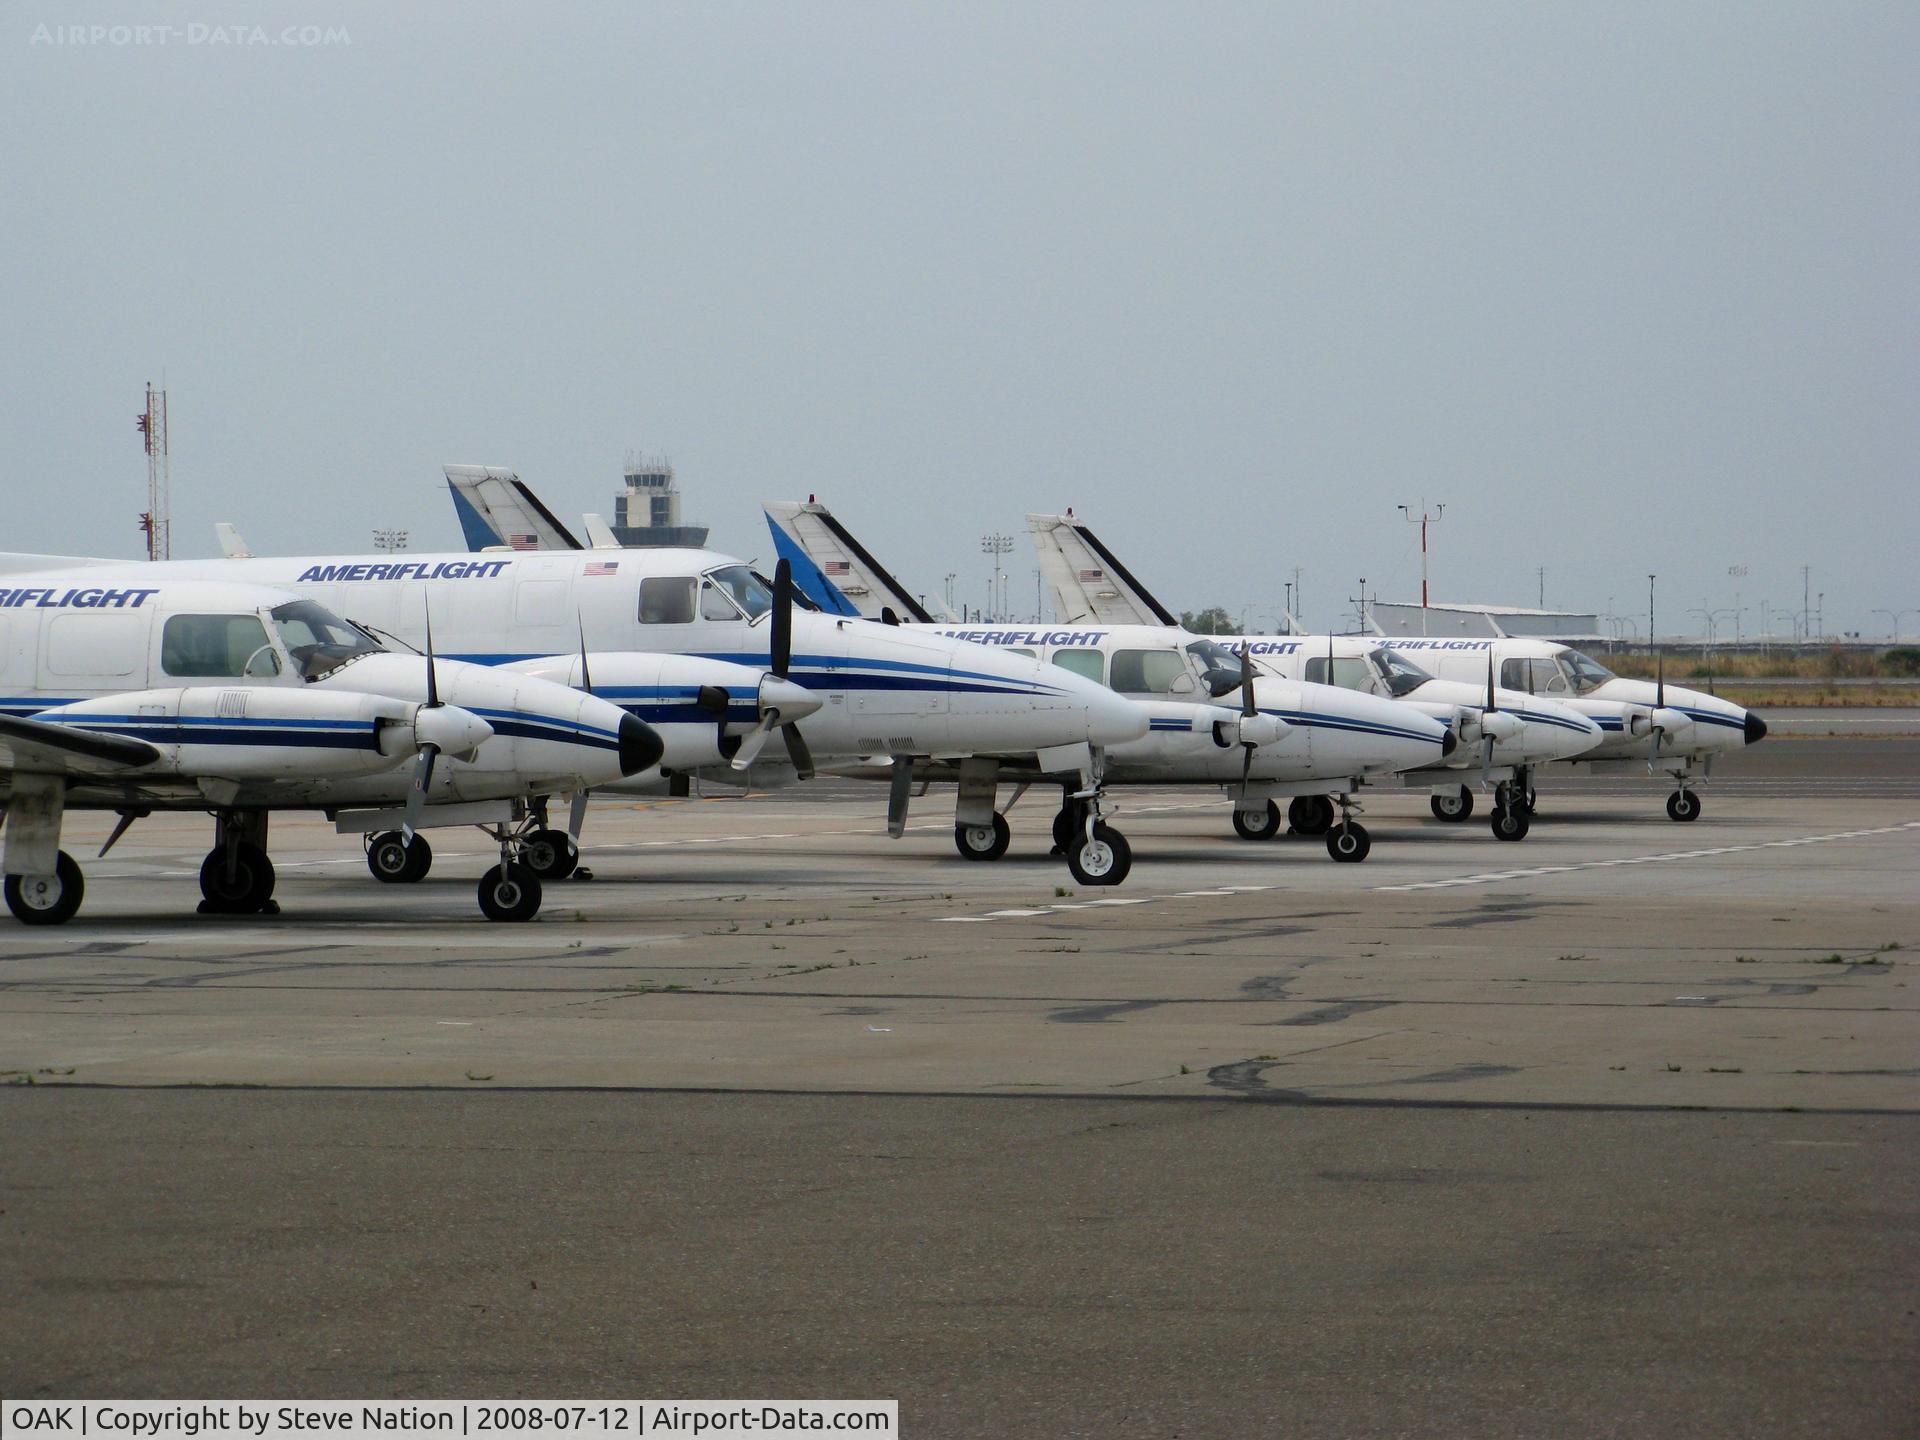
x: 576, y: 816
x: 1486, y: 764
x: 780, y: 641
x: 755, y: 740
x: 1491, y: 705
x: 417, y: 792
x: 1660, y: 683
x: 586, y: 679
x: 1247, y: 708
x: 901, y: 783
x: 797, y: 751
x: 433, y: 682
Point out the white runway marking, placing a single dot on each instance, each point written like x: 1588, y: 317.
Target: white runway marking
x: 1489, y: 877
x: 1494, y: 876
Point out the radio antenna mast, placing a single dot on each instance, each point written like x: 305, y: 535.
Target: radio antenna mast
x: 157, y: 522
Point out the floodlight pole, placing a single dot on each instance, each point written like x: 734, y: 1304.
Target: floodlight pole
x: 1423, y: 521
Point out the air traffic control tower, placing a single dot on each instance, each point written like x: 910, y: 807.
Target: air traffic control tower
x: 648, y: 511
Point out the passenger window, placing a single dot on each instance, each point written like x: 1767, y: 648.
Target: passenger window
x: 1148, y: 672
x: 222, y: 645
x: 1087, y: 663
x: 666, y: 600
x: 1513, y: 674
x: 714, y: 604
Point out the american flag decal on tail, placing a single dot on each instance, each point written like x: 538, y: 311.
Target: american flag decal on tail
x: 524, y: 542
x: 837, y: 567
x: 1091, y: 575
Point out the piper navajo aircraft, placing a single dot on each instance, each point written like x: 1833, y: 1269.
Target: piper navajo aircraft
x: 646, y: 624
x: 126, y: 689
x: 1283, y: 738
x: 1671, y: 730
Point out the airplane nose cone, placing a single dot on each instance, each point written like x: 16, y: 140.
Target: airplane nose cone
x: 640, y: 745
x: 1756, y: 728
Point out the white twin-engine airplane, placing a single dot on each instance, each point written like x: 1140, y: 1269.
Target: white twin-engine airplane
x: 1668, y: 729
x: 714, y: 658
x: 128, y: 688
x: 1280, y: 736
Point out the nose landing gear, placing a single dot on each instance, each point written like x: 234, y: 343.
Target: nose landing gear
x: 1348, y: 841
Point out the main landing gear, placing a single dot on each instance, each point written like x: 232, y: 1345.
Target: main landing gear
x: 531, y: 852
x: 1261, y: 824
x: 1683, y: 805
x: 237, y: 878
x: 47, y: 899
x: 1453, y: 807
x: 983, y: 842
x: 395, y: 860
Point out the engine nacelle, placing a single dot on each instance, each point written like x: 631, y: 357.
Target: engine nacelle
x: 251, y: 732
x: 448, y: 728
x: 1498, y: 725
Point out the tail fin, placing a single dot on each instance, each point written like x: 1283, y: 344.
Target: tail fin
x: 1088, y: 583
x: 497, y: 511
x: 834, y: 570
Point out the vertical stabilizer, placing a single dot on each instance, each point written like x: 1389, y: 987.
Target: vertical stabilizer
x: 835, y: 570
x: 496, y: 510
x: 1088, y: 583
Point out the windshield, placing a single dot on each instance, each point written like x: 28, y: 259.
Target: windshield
x: 318, y: 640
x: 1401, y: 675
x: 1586, y: 673
x: 744, y: 588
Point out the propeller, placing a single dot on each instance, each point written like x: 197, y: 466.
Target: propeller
x: 900, y: 786
x: 577, y: 807
x: 1493, y: 707
x: 772, y: 708
x: 429, y: 752
x: 1248, y: 711
x: 1659, y: 704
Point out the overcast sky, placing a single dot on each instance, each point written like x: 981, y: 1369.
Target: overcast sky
x: 1629, y: 287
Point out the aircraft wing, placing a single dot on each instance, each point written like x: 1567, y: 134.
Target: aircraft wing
x: 1088, y: 583
x: 498, y: 511
x: 835, y: 571
x: 61, y: 750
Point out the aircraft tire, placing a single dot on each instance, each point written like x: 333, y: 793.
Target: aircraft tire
x: 394, y: 861
x: 1257, y: 824
x: 1103, y: 860
x: 1310, y: 815
x: 550, y: 854
x: 1683, y: 805
x: 1510, y: 822
x: 1349, y: 843
x: 510, y: 892
x: 246, y: 891
x: 983, y: 842
x: 1070, y: 822
x: 47, y: 899
x: 1452, y: 808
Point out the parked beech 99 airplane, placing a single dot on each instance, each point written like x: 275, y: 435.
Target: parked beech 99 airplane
x: 1668, y: 729
x: 125, y: 688
x: 715, y: 658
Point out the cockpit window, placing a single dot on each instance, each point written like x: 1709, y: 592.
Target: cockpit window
x: 1586, y: 674
x: 666, y: 600
x: 1400, y: 675
x: 1350, y: 672
x: 228, y: 646
x: 744, y: 588
x: 1149, y: 672
x: 318, y: 640
x: 1212, y: 655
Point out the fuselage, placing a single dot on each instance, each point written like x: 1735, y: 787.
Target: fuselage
x: 882, y: 689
